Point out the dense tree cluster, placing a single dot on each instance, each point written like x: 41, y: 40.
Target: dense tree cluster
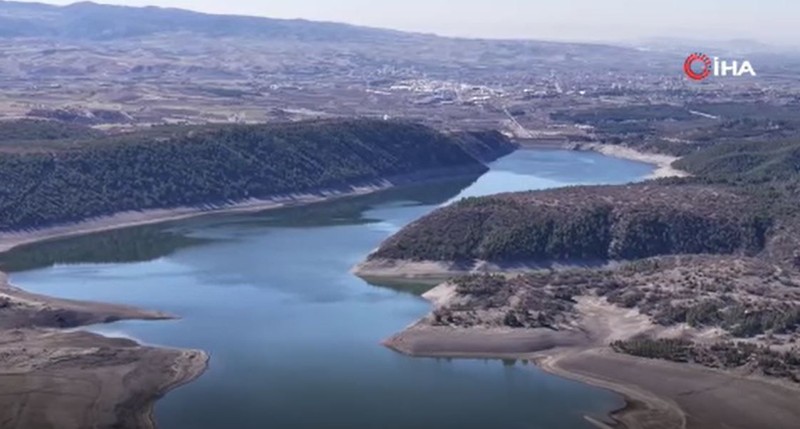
x: 484, y: 145
x: 741, y: 320
x: 746, y: 297
x: 529, y: 301
x: 215, y: 165
x: 723, y: 355
x: 602, y: 223
x: 688, y: 129
x: 717, y: 252
x: 624, y: 114
x: 741, y: 295
x: 759, y: 161
x: 22, y: 133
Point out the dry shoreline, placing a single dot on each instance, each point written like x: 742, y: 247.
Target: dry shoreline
x: 662, y: 162
x: 10, y: 240
x: 381, y: 270
x: 434, y: 272
x: 658, y: 394
x: 55, y: 378
x: 41, y: 361
x: 132, y: 377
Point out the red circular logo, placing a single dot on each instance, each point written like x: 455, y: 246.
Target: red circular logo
x: 690, y: 60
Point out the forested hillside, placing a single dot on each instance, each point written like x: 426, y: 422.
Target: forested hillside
x: 214, y: 165
x: 742, y: 199
x: 711, y: 263
x: 746, y: 161
x: 586, y: 223
x: 29, y: 133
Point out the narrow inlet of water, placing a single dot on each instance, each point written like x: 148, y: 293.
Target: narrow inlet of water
x: 294, y: 338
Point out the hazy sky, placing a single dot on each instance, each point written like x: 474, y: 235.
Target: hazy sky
x: 774, y: 21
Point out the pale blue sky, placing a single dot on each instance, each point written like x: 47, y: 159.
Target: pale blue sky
x: 774, y: 21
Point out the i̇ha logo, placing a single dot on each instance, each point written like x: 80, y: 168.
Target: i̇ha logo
x: 700, y: 66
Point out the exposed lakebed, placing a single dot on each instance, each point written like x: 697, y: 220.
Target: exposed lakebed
x: 294, y: 337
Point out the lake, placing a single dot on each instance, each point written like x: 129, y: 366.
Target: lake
x: 294, y: 338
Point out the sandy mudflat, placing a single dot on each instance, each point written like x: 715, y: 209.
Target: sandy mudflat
x: 659, y: 394
x: 676, y: 394
x: 52, y: 378
x: 434, y: 272
x: 66, y: 380
x: 27, y: 310
x: 436, y: 341
x: 662, y: 162
x: 429, y: 272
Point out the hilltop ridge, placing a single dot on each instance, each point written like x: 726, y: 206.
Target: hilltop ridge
x: 94, y: 21
x: 63, y: 180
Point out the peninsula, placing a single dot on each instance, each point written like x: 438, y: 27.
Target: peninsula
x: 681, y: 293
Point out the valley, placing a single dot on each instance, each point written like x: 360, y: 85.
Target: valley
x: 278, y: 193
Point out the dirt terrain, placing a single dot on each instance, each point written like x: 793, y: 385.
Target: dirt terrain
x: 670, y: 395
x: 56, y: 378
x: 660, y: 394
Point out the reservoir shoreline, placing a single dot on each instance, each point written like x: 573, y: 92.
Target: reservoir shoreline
x: 658, y: 394
x: 156, y: 370
x: 120, y: 379
x: 698, y: 398
x: 12, y: 239
x: 192, y: 369
x: 662, y: 162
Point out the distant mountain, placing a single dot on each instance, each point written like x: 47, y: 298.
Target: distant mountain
x: 92, y: 21
x: 88, y: 21
x: 712, y: 47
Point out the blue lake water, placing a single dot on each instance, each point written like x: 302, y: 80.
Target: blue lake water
x: 294, y: 338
